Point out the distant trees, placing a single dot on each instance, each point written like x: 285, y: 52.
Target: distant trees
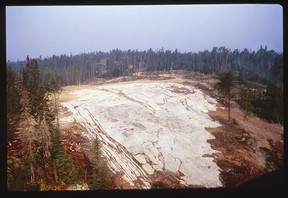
x: 225, y: 86
x: 260, y: 65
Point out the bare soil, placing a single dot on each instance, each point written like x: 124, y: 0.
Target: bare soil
x: 249, y: 148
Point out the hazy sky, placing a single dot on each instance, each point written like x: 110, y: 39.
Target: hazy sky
x: 48, y: 30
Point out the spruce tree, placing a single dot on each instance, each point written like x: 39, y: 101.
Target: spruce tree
x: 13, y: 97
x: 64, y: 169
x: 13, y: 102
x: 100, y: 178
x: 36, y: 92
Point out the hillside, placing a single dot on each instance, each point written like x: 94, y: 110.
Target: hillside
x: 169, y: 128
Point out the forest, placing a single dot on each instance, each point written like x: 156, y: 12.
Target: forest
x: 33, y: 86
x: 261, y: 66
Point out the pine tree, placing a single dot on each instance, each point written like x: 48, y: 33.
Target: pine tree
x: 36, y: 92
x: 13, y: 102
x: 64, y: 169
x: 37, y: 123
x: 13, y: 97
x: 225, y: 86
x: 100, y: 178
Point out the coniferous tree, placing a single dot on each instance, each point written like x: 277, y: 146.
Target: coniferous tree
x: 277, y: 71
x: 54, y: 88
x: 274, y: 100
x: 13, y: 102
x: 15, y: 177
x: 13, y: 97
x: 100, y: 176
x: 64, y: 169
x: 225, y: 86
x: 36, y: 92
x: 37, y: 119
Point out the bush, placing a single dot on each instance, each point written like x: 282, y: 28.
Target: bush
x: 159, y: 185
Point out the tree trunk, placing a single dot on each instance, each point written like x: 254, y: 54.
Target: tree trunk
x: 32, y: 173
x: 55, y: 172
x: 56, y: 109
x: 229, y: 98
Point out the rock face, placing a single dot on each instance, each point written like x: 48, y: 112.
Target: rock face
x: 149, y: 127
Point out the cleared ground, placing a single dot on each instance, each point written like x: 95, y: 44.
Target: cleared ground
x: 170, y: 131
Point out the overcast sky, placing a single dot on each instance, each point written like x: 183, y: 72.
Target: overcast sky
x: 48, y: 30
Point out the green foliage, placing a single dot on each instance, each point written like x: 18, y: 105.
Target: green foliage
x: 159, y: 185
x: 19, y: 181
x: 225, y: 86
x: 100, y: 178
x: 277, y: 71
x: 226, y: 83
x: 13, y: 102
x: 65, y: 168
x: 276, y: 98
x: 67, y: 70
x: 12, y: 92
x: 269, y: 104
x: 32, y: 166
x: 45, y: 159
x: 246, y: 99
x: 272, y: 159
x: 15, y: 178
x: 53, y: 86
x: 75, y: 69
x: 31, y: 78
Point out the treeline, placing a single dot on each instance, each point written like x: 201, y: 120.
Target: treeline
x: 37, y: 158
x: 260, y: 66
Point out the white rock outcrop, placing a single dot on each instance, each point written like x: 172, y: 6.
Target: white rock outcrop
x: 147, y: 127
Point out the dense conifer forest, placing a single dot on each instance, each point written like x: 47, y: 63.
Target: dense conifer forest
x: 262, y: 65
